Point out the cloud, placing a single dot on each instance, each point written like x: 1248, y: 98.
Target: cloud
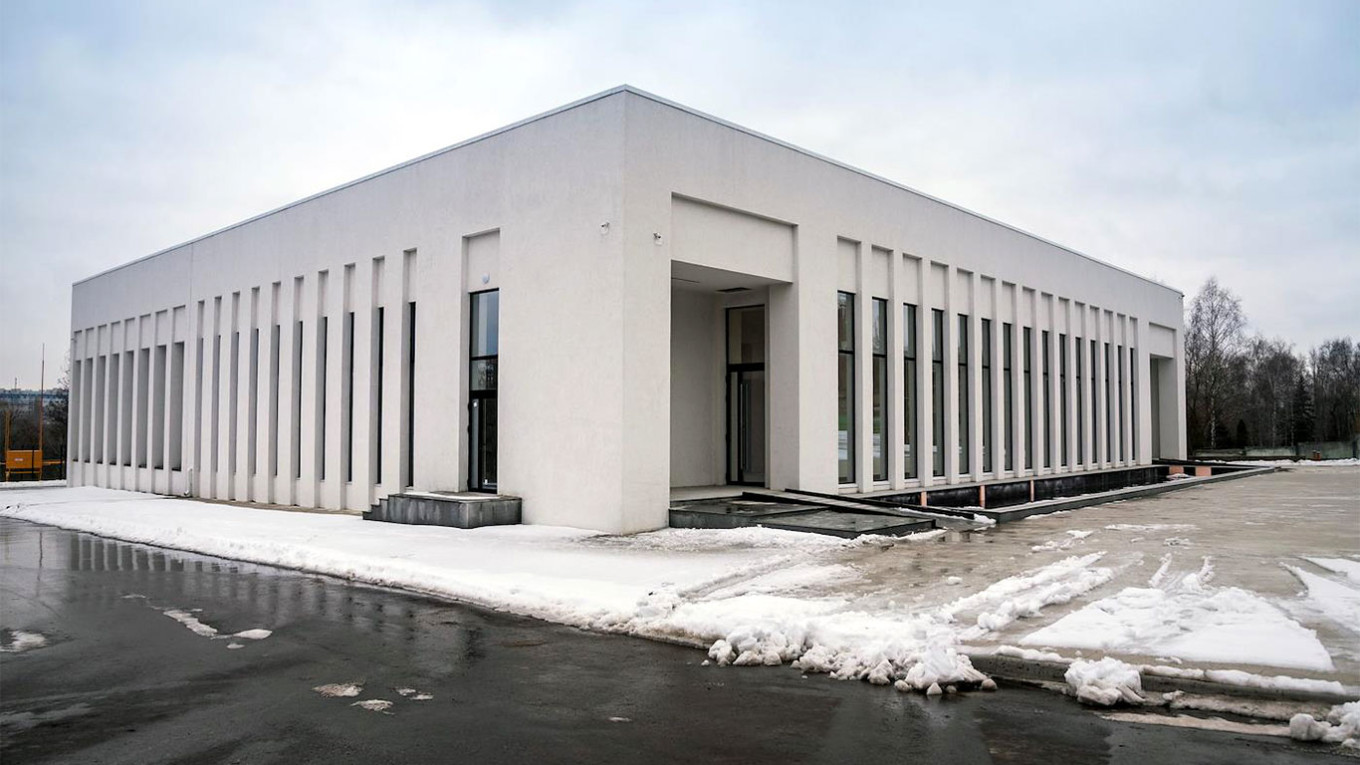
x: 1176, y: 140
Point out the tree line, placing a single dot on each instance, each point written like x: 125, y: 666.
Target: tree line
x: 1249, y: 390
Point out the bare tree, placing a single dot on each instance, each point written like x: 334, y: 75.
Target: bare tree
x: 1213, y: 347
x: 1336, y: 389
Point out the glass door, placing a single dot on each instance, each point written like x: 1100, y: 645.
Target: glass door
x: 746, y: 408
x: 482, y: 385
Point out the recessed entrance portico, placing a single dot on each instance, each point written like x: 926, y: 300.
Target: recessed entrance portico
x: 720, y: 380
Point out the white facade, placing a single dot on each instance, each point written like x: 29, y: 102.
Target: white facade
x: 616, y: 230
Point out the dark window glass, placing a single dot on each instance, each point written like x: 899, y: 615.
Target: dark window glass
x: 937, y: 390
x: 1095, y: 413
x: 1062, y: 395
x: 965, y: 397
x: 1081, y: 393
x: 1008, y: 391
x: 1027, y: 353
x: 1120, y: 358
x: 486, y: 324
x: 380, y: 340
x: 986, y: 395
x: 1109, y: 407
x: 909, y: 388
x: 845, y: 313
x: 880, y: 389
x: 1133, y: 399
x: 1046, y: 355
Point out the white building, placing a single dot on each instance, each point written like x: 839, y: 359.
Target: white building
x: 598, y: 304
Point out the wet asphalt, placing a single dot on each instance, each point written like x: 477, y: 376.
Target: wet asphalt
x: 121, y: 681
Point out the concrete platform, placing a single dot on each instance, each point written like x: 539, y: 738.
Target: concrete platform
x: 730, y: 513
x: 459, y: 510
x: 839, y: 523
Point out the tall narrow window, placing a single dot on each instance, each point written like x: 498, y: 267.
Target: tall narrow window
x: 1095, y: 412
x: 274, y: 357
x: 214, y: 455
x: 349, y: 396
x: 411, y: 394
x: 176, y: 413
x: 483, y: 384
x: 323, y: 329
x: 965, y: 397
x: 1081, y: 413
x: 158, y: 405
x: 143, y: 402
x: 1133, y: 400
x: 1008, y: 390
x: 296, y: 424
x: 909, y: 402
x: 880, y: 372
x: 253, y: 411
x: 101, y: 365
x: 125, y: 419
x: 1046, y: 356
x: 380, y: 340
x: 115, y: 404
x: 1109, y: 408
x: 987, y: 396
x: 233, y: 406
x: 1062, y: 395
x: 1027, y: 354
x: 937, y: 390
x: 845, y: 411
x: 1120, y: 354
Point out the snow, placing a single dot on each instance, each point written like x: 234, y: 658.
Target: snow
x: 1341, y: 726
x: 1104, y: 683
x: 189, y: 620
x: 32, y: 484
x: 750, y: 596
x: 1334, y: 600
x: 1192, y: 620
x: 1350, y: 568
x: 570, y: 576
x: 373, y: 705
x: 20, y: 641
x: 339, y: 690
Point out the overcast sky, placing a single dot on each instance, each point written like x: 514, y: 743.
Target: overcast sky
x: 1178, y: 140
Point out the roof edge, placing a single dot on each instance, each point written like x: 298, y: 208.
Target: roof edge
x: 625, y: 88
x: 844, y: 166
x: 430, y: 155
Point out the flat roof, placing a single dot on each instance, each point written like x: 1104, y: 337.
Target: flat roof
x: 625, y: 88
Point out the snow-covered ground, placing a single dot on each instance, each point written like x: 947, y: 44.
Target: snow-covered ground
x: 1249, y: 582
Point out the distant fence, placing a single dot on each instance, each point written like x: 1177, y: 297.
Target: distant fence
x: 1307, y: 450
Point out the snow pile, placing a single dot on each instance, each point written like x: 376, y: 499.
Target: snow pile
x: 1334, y: 600
x: 1342, y: 726
x: 911, y: 651
x: 1192, y: 620
x: 1105, y: 683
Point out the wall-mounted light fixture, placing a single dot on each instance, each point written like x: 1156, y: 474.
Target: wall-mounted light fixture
x: 656, y: 239
x: 486, y: 278
x: 604, y: 228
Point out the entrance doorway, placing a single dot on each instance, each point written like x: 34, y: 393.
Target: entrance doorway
x: 746, y: 405
x: 482, y: 386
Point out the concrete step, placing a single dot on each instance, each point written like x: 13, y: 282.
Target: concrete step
x: 438, y: 508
